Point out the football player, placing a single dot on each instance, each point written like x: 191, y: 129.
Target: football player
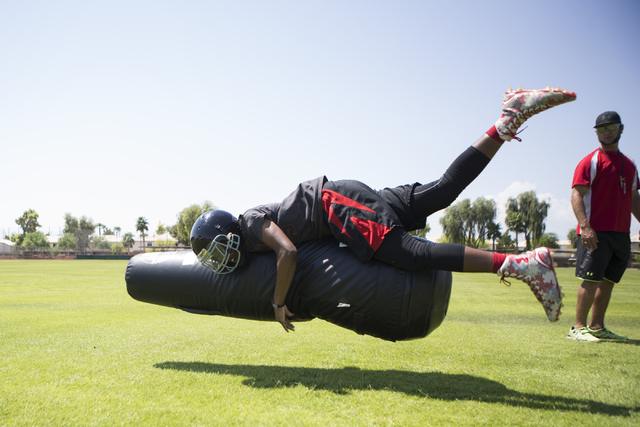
x: 375, y: 224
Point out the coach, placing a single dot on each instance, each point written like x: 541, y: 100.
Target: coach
x: 605, y: 193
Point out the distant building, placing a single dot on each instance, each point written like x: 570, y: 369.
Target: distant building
x: 5, y: 246
x: 565, y: 245
x: 635, y: 242
x: 150, y: 241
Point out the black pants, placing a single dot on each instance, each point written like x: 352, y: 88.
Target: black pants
x: 407, y: 252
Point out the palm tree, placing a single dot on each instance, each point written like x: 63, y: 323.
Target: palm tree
x: 117, y: 230
x: 128, y: 241
x: 142, y: 226
x: 100, y: 227
x: 530, y: 213
x: 493, y: 233
x: 515, y: 223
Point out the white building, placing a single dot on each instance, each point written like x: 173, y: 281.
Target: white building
x: 150, y: 241
x: 565, y: 245
x: 635, y: 242
x: 5, y: 246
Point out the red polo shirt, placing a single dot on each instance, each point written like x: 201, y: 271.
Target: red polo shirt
x: 607, y: 203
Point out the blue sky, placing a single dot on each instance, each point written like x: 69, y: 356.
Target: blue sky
x: 121, y: 109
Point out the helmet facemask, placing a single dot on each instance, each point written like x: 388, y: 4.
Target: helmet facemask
x: 223, y: 254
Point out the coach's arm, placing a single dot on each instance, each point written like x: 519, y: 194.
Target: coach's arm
x: 587, y: 234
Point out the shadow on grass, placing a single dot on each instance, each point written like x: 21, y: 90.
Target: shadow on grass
x: 435, y: 385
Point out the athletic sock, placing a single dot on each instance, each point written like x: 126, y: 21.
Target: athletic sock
x: 498, y: 260
x: 493, y: 134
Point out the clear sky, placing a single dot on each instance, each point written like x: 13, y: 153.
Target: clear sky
x: 121, y: 109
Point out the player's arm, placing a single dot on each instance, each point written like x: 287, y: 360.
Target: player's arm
x: 286, y: 255
x: 588, y: 235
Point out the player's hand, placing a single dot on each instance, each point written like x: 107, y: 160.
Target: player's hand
x: 281, y: 316
x: 589, y: 238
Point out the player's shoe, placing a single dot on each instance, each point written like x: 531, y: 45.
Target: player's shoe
x: 582, y: 335
x: 535, y: 268
x: 606, y: 334
x: 519, y: 105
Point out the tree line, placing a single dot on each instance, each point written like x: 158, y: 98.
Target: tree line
x: 472, y: 224
x: 466, y: 223
x: 179, y: 232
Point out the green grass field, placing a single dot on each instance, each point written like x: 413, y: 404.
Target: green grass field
x: 76, y: 350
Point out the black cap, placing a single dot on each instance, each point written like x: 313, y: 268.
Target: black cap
x: 607, y: 118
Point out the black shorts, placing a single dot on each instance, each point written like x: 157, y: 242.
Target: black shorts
x: 608, y: 261
x: 359, y: 216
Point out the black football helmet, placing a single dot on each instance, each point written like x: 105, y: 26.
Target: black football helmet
x: 217, y: 241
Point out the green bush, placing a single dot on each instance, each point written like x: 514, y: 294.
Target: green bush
x: 17, y: 239
x: 37, y: 240
x: 100, y: 243
x: 117, y: 248
x: 549, y: 240
x: 68, y: 241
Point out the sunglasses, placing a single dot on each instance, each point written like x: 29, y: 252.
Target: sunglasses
x: 603, y: 129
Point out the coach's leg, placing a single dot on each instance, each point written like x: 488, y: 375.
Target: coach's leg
x: 600, y: 304
x: 598, y: 310
x: 586, y: 296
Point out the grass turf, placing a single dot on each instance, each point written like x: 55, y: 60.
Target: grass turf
x: 75, y: 349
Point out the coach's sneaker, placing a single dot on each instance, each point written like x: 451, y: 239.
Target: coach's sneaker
x: 519, y: 105
x: 535, y: 268
x: 582, y: 335
x: 606, y: 334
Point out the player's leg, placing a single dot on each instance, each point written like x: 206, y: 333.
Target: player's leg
x: 520, y: 105
x: 437, y: 195
x: 535, y: 268
x: 404, y: 251
x: 477, y: 261
x: 517, y: 107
